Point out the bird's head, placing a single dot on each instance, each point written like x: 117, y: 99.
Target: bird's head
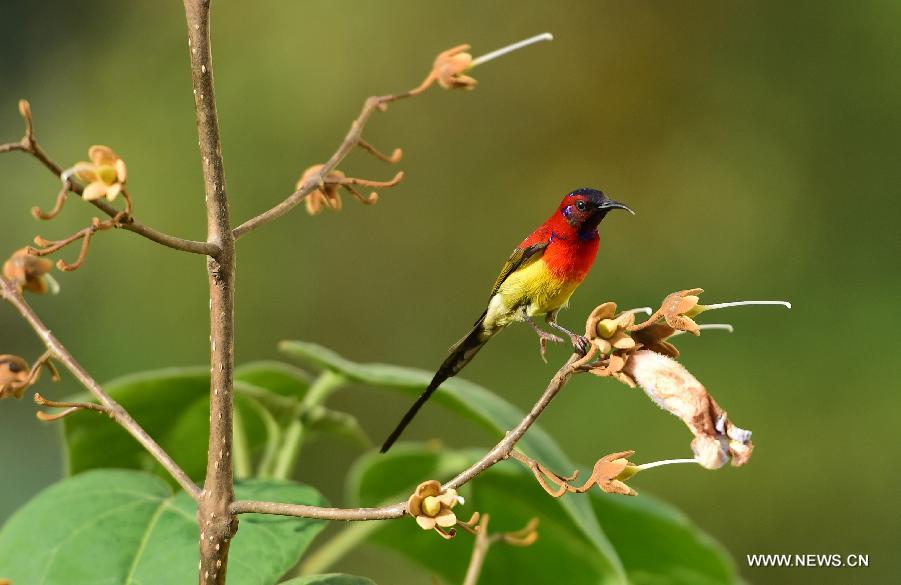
x: 583, y: 209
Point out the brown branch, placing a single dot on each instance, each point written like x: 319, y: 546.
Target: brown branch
x: 351, y: 140
x: 525, y: 536
x: 345, y: 181
x: 70, y: 407
x: 395, y: 157
x: 84, y: 234
x: 58, y: 352
x: 29, y: 145
x: 38, y: 213
x: 217, y: 523
x: 501, y: 451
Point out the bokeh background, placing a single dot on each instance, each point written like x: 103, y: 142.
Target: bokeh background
x: 758, y: 142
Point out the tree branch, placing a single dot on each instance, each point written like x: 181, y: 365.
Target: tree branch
x: 29, y: 145
x: 115, y: 411
x: 500, y: 452
x: 351, y: 140
x: 217, y: 523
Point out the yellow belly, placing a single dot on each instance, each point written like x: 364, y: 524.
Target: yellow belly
x: 533, y: 289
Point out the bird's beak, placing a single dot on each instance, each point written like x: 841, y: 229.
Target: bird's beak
x: 611, y: 204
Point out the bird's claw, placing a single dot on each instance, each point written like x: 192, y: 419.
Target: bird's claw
x: 543, y: 338
x: 580, y: 343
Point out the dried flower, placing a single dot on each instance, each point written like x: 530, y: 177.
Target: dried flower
x: 674, y: 389
x: 608, y: 336
x: 450, y: 66
x: 14, y: 376
x: 678, y: 308
x: 326, y: 195
x: 654, y: 338
x: 610, y: 472
x: 104, y: 176
x: 432, y: 507
x: 30, y: 272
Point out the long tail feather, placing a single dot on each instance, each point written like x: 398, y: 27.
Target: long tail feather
x: 460, y: 354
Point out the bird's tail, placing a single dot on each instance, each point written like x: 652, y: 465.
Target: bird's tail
x: 461, y: 354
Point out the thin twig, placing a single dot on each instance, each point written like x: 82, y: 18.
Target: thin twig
x: 70, y: 407
x: 29, y: 145
x: 501, y: 451
x: 351, y: 140
x: 59, y: 353
x: 395, y: 157
x: 480, y: 547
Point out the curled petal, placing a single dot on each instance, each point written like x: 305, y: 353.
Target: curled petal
x: 313, y: 202
x: 102, y: 155
x: 615, y: 486
x: 94, y: 191
x: 425, y: 522
x: 601, y: 312
x: 113, y: 191
x: 84, y: 171
x: 121, y: 172
x: 448, y: 498
x: 446, y: 519
x: 623, y: 341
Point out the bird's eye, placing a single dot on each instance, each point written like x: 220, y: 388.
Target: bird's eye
x: 580, y: 205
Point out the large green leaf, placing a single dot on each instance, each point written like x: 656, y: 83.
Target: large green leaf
x: 172, y: 405
x: 277, y: 377
x: 126, y: 527
x: 479, y: 405
x: 656, y: 543
x: 329, y: 579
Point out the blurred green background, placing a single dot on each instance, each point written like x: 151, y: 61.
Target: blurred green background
x: 758, y: 143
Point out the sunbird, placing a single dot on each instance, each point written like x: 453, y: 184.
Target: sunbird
x: 539, y: 277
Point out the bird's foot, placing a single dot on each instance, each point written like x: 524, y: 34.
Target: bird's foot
x: 580, y: 343
x: 543, y: 338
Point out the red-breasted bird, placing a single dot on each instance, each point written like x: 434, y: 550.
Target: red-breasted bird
x: 537, y: 280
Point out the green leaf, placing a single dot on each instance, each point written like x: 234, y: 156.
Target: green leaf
x: 656, y: 543
x: 478, y: 404
x: 173, y: 407
x: 336, y: 423
x: 277, y: 377
x: 659, y: 544
x: 127, y: 527
x: 329, y: 579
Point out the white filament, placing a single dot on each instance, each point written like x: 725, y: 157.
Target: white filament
x: 645, y: 310
x: 785, y: 304
x: 653, y: 464
x: 510, y: 48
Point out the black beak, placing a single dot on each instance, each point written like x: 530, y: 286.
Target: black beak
x: 611, y: 204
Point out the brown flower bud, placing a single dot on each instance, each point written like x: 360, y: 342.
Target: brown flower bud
x: 28, y: 272
x: 450, y: 66
x: 14, y: 374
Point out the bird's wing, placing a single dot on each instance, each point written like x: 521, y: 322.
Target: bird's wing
x: 517, y: 259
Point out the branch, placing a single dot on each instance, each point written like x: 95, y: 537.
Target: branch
x: 29, y: 145
x: 500, y: 452
x: 115, y: 411
x: 525, y: 536
x: 449, y: 71
x: 217, y: 524
x: 351, y: 140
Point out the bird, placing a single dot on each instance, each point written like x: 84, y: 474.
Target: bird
x: 537, y: 280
